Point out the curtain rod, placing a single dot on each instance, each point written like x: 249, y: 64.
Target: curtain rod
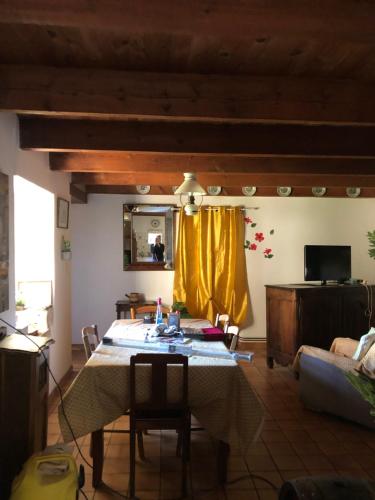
x: 243, y: 209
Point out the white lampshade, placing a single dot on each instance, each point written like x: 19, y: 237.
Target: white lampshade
x: 190, y: 186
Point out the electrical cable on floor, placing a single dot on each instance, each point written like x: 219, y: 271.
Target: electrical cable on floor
x: 60, y: 395
x: 83, y: 493
x: 255, y: 476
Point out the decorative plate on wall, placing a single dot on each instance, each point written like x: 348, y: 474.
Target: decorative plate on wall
x: 155, y: 223
x: 249, y: 190
x: 213, y: 190
x: 318, y: 191
x: 353, y: 192
x: 143, y: 189
x: 284, y: 190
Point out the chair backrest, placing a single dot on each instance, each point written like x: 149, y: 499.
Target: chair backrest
x: 159, y: 363
x: 146, y: 310
x: 234, y: 331
x: 222, y: 321
x: 90, y: 339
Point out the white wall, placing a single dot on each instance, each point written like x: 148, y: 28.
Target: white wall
x: 98, y: 278
x: 35, y: 168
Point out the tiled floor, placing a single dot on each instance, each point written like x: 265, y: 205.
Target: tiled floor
x: 294, y: 442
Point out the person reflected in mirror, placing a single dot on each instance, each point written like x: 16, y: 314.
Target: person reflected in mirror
x: 157, y: 250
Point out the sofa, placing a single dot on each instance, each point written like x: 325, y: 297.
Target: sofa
x: 323, y: 384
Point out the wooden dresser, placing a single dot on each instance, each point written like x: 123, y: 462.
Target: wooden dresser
x: 23, y: 403
x: 314, y: 315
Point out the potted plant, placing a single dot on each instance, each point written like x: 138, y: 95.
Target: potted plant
x: 20, y: 304
x: 182, y: 309
x: 66, y: 251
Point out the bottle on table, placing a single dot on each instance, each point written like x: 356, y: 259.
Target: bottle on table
x: 159, y: 314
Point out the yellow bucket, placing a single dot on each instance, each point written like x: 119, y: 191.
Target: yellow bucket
x: 47, y: 477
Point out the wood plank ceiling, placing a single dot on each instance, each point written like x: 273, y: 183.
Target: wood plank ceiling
x: 251, y: 93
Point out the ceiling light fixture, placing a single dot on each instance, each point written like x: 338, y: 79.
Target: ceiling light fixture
x: 191, y: 188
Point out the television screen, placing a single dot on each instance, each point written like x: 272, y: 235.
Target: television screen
x: 327, y: 262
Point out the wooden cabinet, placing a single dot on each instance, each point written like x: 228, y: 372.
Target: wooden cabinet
x: 314, y: 315
x: 23, y: 403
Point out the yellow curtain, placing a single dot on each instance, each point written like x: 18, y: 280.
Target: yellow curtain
x: 210, y: 268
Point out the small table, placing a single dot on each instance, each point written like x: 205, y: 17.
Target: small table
x: 124, y: 306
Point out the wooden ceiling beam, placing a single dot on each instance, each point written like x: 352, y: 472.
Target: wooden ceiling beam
x: 227, y: 180
x: 197, y: 138
x: 119, y: 94
x: 255, y: 19
x: 170, y: 163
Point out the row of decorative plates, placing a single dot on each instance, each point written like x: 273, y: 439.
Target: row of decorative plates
x: 352, y: 192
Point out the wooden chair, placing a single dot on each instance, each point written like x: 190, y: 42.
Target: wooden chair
x: 232, y: 332
x: 134, y: 310
x: 158, y: 413
x: 222, y: 321
x: 90, y: 339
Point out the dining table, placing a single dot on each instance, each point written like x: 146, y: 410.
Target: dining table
x: 220, y: 396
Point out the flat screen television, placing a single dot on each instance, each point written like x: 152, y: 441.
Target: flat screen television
x: 327, y: 263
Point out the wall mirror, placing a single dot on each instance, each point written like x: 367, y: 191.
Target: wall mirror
x: 148, y: 237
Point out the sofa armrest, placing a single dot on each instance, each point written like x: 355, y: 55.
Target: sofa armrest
x: 338, y: 360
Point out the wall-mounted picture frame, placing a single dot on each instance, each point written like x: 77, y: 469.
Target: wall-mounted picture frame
x: 62, y: 213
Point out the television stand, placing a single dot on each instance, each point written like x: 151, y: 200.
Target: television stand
x: 314, y: 315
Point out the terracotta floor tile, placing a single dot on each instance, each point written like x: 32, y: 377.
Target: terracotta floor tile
x: 322, y: 436
x: 297, y: 436
x: 312, y: 462
x: 308, y: 448
x: 344, y: 462
x: 280, y: 448
x: 258, y: 448
x: 240, y: 495
x: 293, y: 474
x: 268, y: 495
x: 332, y: 448
x: 260, y: 462
x: 288, y: 462
x: 273, y: 437
x: 272, y: 476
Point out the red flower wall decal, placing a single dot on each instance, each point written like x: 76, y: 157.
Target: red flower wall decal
x: 259, y: 237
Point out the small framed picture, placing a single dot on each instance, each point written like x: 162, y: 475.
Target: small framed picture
x: 62, y: 213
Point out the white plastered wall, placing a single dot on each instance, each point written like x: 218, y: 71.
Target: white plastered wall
x: 99, y: 279
x: 34, y: 167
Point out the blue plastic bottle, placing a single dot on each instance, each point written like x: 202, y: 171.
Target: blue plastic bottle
x: 159, y: 314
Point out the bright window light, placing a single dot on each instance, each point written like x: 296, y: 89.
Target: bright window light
x: 34, y: 216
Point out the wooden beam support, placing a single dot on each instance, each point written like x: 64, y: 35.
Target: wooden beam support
x: 227, y: 180
x: 170, y: 163
x: 119, y: 94
x: 78, y: 193
x: 252, y: 20
x: 197, y: 138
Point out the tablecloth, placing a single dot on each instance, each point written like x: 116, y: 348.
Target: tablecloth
x: 220, y: 396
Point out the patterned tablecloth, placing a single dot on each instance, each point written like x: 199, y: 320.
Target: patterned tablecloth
x: 220, y: 396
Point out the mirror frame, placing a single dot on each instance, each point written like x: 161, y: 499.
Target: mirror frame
x: 132, y: 209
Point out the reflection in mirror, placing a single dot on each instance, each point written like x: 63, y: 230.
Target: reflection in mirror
x: 148, y: 237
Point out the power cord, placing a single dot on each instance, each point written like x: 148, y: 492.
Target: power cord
x: 41, y: 351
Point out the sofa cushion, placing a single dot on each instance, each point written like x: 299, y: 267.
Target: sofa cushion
x: 365, y: 342
x: 367, y: 363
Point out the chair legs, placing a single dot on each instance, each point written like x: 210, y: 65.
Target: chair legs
x: 132, y: 465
